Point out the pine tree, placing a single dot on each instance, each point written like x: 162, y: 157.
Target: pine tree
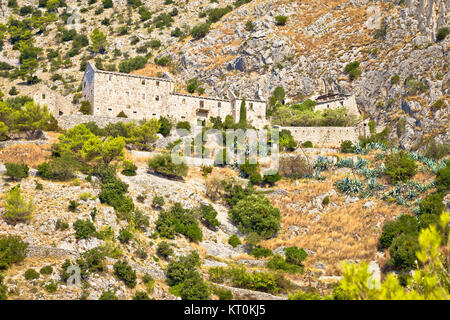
x: 98, y: 40
x: 243, y: 115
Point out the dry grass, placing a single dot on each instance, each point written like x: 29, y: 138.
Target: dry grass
x: 31, y: 154
x: 344, y: 232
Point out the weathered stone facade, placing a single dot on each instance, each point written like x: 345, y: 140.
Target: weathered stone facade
x: 141, y: 97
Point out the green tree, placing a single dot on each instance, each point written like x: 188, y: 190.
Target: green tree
x: 256, y: 214
x: 98, y: 41
x: 243, y: 115
x: 17, y: 209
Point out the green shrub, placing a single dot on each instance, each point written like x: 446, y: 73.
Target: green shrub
x: 17, y: 209
x: 294, y: 255
x: 256, y: 214
x: 271, y: 179
x: 287, y: 141
x: 405, y: 224
x: 12, y: 250
x: 208, y: 216
x: 3, y: 289
x: 164, y: 249
x: 125, y: 273
x: 277, y: 262
x: 178, y: 220
x: 403, y: 251
x: 163, y: 164
x: 395, y: 79
x: 165, y: 126
x: 158, y: 202
x: 31, y: 274
x: 163, y: 61
x: 16, y: 170
x: 108, y: 295
x: 129, y: 168
x: 281, y: 20
x: 58, y: 169
x: 194, y: 288
x: 432, y: 204
x: 124, y: 236
x: 347, y: 147
x: 73, y: 205
x: 307, y: 144
x: 353, y: 71
x: 217, y: 274
x: 141, y: 295
x: 180, y: 268
x: 234, y: 241
x: 136, y: 63
x: 261, y: 252
x: 442, y: 33
x: 51, y: 287
x: 443, y: 179
x: 223, y: 294
x: 84, y: 229
x: 200, y: 30
x: 46, y: 270
x: 85, y: 107
x: 400, y: 167
x: 184, y: 125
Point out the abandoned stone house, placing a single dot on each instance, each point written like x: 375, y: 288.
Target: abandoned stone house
x: 337, y: 100
x: 142, y: 97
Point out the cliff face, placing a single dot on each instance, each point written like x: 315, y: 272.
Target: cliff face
x: 308, y: 56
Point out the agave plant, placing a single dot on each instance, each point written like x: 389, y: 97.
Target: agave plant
x: 361, y: 163
x: 345, y: 163
x: 349, y: 186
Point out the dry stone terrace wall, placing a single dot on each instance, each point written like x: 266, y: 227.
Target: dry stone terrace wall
x: 325, y: 136
x: 66, y: 122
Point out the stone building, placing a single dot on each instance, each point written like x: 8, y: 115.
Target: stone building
x: 337, y: 100
x: 142, y: 97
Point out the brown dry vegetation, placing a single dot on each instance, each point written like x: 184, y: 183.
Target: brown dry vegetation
x: 31, y: 154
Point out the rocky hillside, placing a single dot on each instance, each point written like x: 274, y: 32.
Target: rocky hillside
x: 402, y: 79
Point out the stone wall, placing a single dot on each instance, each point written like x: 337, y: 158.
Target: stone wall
x: 69, y: 121
x: 45, y: 252
x: 324, y: 136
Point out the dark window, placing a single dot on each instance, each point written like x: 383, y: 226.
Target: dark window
x: 219, y: 104
x: 202, y: 104
x: 157, y: 83
x: 157, y: 98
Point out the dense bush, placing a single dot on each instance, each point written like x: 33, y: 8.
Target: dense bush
x: 281, y: 20
x: 178, y: 220
x: 84, y: 229
x: 163, y: 164
x: 442, y: 33
x: 279, y: 263
x: 443, y: 179
x: 184, y: 125
x: 12, y: 250
x: 136, y: 63
x: 294, y: 255
x: 17, y: 209
x: 164, y: 249
x: 234, y: 241
x: 261, y: 252
x: 432, y: 204
x: 31, y: 274
x: 287, y: 141
x: 256, y: 214
x: 405, y: 224
x: 124, y: 235
x: 125, y: 272
x: 129, y: 168
x: 307, y: 144
x: 59, y: 169
x: 113, y: 192
x: 166, y: 126
x: 403, y: 251
x: 400, y: 167
x: 208, y: 215
x: 16, y: 170
x: 179, y: 268
x: 200, y: 30
x: 108, y: 295
x: 46, y: 270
